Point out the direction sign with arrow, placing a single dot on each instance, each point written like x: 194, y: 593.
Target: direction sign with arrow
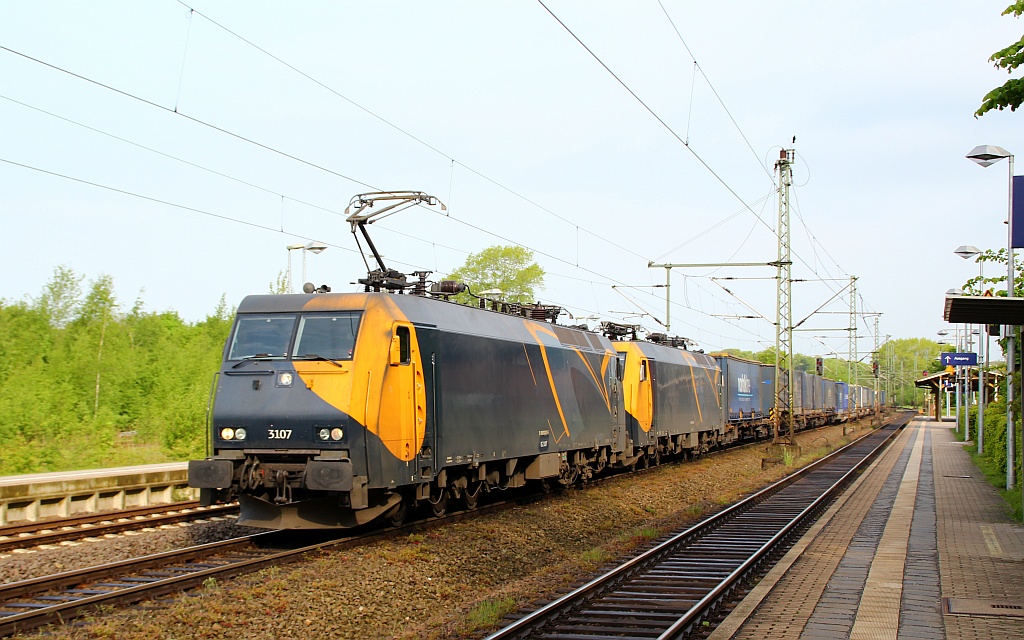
x: 968, y: 359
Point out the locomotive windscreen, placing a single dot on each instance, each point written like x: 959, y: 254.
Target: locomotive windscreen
x: 261, y: 336
x: 327, y: 336
x: 320, y: 335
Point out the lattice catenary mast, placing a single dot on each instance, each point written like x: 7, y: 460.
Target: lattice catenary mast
x: 784, y: 400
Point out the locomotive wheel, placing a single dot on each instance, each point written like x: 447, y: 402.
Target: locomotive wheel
x: 439, y: 505
x: 397, y: 516
x: 472, y: 497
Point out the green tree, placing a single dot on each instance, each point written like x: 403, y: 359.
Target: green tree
x: 60, y: 297
x: 77, y: 376
x: 1011, y: 93
x: 280, y: 283
x: 510, y: 269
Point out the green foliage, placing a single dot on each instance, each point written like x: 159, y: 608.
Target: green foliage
x: 996, y: 284
x: 510, y: 269
x: 992, y: 461
x: 83, y: 385
x: 280, y: 283
x: 1011, y: 94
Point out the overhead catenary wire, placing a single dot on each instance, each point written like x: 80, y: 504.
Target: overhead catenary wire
x: 697, y: 67
x: 653, y: 113
x: 498, y: 184
x: 256, y: 186
x: 187, y: 117
x: 176, y: 205
x: 407, y: 133
x: 170, y: 156
x: 314, y: 165
x: 664, y: 124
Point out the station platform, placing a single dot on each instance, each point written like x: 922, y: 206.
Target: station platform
x: 918, y: 547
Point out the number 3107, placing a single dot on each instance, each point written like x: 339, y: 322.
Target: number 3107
x: 279, y: 434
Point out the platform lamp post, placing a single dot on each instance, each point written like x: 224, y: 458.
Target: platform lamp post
x: 942, y: 333
x: 315, y: 247
x: 985, y: 155
x: 961, y: 408
x: 966, y: 251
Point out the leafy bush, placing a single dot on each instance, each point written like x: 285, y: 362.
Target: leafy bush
x: 83, y: 385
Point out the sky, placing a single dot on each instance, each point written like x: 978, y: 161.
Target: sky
x: 180, y: 147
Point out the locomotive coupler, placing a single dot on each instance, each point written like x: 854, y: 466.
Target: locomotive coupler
x: 284, y: 490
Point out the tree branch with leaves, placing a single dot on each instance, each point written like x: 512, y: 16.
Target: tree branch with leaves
x: 1011, y: 94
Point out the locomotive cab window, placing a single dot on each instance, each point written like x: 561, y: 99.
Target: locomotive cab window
x: 643, y: 370
x: 620, y: 365
x: 265, y: 336
x: 331, y: 336
x: 401, y: 346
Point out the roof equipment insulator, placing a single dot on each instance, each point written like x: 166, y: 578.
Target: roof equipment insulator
x: 540, y: 312
x: 448, y: 287
x: 671, y: 341
x: 618, y: 331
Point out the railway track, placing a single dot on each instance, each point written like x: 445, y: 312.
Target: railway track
x: 26, y: 535
x: 55, y: 531
x: 58, y: 598
x: 671, y: 589
x: 62, y: 597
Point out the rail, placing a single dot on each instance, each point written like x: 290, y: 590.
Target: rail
x: 667, y: 591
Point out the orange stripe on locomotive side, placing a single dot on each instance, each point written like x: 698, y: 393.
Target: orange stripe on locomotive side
x: 598, y: 381
x: 534, y: 330
x: 529, y: 364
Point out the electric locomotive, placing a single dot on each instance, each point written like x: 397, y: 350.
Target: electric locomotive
x: 672, y: 395
x: 333, y: 409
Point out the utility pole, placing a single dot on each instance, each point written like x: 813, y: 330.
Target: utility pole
x: 874, y: 368
x: 784, y: 400
x: 852, y: 358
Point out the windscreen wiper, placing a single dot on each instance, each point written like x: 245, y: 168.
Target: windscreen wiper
x: 258, y: 356
x: 315, y: 356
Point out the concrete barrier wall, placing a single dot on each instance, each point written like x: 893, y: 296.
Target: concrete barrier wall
x: 28, y: 498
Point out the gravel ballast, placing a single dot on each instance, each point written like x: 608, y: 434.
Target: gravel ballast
x: 456, y: 581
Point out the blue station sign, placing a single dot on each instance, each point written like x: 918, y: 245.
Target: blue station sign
x: 968, y: 359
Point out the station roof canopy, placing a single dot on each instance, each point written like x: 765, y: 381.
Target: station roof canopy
x: 984, y: 310
x: 937, y: 381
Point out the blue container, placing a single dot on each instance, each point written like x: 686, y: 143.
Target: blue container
x: 842, y: 397
x: 741, y: 390
x: 768, y: 388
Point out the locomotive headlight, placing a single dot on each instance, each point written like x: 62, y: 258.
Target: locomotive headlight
x: 227, y: 433
x: 239, y: 433
x: 324, y: 434
x: 285, y: 378
x: 336, y: 434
